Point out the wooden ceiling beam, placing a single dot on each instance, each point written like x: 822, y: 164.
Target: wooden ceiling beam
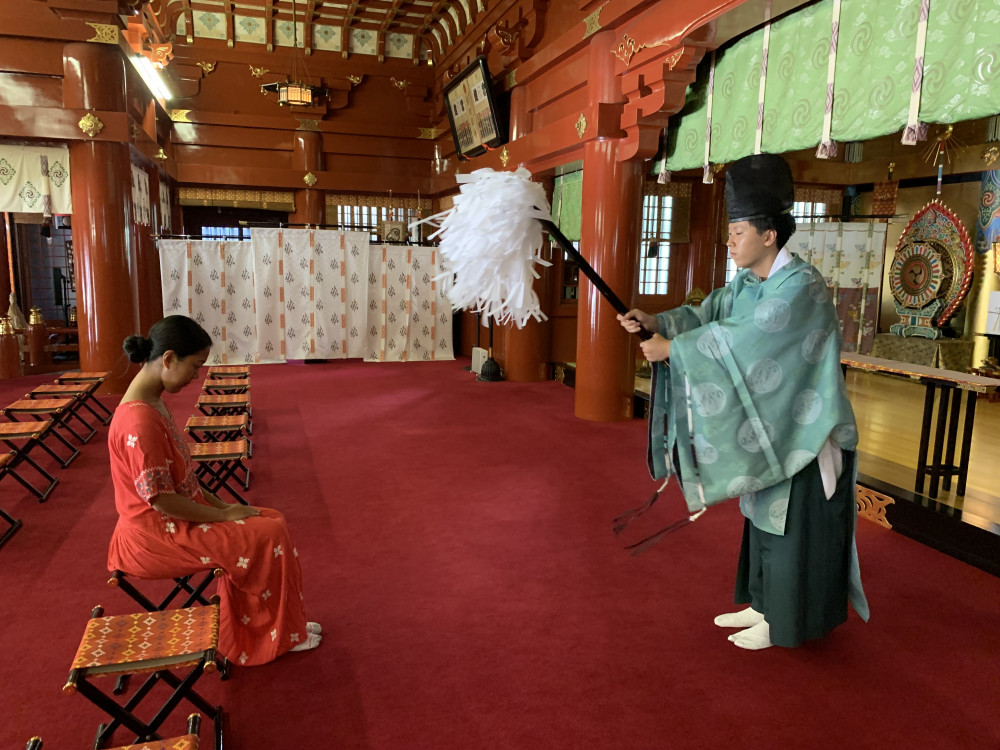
x: 230, y: 30
x: 269, y: 25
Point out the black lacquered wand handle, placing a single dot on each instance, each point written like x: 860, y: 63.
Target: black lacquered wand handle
x: 590, y: 273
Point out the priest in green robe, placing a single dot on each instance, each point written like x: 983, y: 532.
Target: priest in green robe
x: 749, y: 401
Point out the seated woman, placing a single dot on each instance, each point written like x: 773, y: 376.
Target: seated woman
x: 168, y: 526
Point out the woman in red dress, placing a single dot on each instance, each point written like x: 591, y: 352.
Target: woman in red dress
x: 168, y: 526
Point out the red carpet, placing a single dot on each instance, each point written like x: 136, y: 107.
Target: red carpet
x: 456, y: 546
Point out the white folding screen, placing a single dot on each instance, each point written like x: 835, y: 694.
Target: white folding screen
x: 850, y: 256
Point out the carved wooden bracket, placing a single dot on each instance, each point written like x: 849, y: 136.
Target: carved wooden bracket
x: 655, y: 89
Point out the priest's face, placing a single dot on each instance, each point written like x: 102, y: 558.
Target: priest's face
x: 750, y: 249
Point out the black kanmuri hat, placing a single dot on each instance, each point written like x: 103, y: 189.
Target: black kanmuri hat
x: 759, y: 187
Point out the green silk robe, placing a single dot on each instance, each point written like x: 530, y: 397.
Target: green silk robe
x: 752, y: 392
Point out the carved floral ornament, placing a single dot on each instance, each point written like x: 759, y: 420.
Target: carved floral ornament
x: 104, y: 33
x: 309, y: 179
x: 504, y: 156
x: 258, y: 72
x: 581, y: 125
x: 90, y: 124
x: 207, y: 67
x: 629, y: 47
x: 872, y: 505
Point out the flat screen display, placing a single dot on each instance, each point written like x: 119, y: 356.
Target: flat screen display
x: 475, y: 119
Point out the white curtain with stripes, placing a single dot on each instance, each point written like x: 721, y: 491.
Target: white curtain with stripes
x: 408, y: 317
x: 213, y: 282
x: 309, y: 294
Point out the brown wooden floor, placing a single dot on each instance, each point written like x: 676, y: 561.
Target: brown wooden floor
x: 889, y: 413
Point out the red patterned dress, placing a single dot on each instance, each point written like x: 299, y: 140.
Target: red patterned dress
x: 261, y: 610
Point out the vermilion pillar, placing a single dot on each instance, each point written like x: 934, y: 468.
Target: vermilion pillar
x: 103, y: 240
x: 527, y: 348
x: 307, y: 156
x: 609, y: 240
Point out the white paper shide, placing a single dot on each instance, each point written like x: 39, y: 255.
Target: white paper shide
x: 490, y: 242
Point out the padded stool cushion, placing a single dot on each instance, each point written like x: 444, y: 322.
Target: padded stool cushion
x: 233, y: 421
x: 187, y: 742
x: 112, y: 644
x: 219, y: 451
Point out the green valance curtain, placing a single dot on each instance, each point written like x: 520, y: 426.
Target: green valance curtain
x: 567, y: 204
x: 873, y: 78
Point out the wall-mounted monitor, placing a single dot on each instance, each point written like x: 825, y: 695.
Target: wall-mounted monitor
x: 477, y: 115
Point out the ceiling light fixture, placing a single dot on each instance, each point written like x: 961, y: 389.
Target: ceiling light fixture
x: 293, y: 91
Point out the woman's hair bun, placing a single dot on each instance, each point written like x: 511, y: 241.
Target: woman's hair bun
x: 137, y: 348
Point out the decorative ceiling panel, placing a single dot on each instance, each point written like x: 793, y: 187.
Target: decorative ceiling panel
x: 385, y: 28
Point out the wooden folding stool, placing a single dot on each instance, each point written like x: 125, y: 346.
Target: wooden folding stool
x: 216, y: 465
x: 220, y: 429
x: 13, y: 524
x: 222, y: 386
x: 156, y: 642
x: 55, y: 409
x: 97, y: 378
x: 32, y: 434
x: 76, y: 391
x: 182, y: 585
x: 188, y: 741
x: 227, y: 405
x: 229, y: 371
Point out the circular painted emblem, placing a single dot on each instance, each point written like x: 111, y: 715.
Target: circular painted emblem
x: 772, y: 315
x: 916, y: 274
x: 764, y: 376
x: 709, y: 399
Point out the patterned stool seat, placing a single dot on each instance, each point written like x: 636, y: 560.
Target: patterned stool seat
x: 148, y: 640
x: 156, y: 642
x: 226, y: 405
x: 229, y: 371
x: 55, y: 409
x: 86, y: 391
x: 222, y: 386
x: 79, y: 392
x: 220, y: 428
x: 216, y: 464
x: 80, y: 377
x: 187, y: 742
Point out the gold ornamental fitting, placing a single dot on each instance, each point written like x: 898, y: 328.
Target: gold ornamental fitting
x: 6, y: 327
x: 72, y: 314
x: 35, y: 318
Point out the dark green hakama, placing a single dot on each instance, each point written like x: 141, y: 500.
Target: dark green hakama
x: 799, y: 581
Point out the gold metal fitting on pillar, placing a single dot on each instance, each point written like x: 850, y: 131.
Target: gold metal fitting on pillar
x: 35, y: 317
